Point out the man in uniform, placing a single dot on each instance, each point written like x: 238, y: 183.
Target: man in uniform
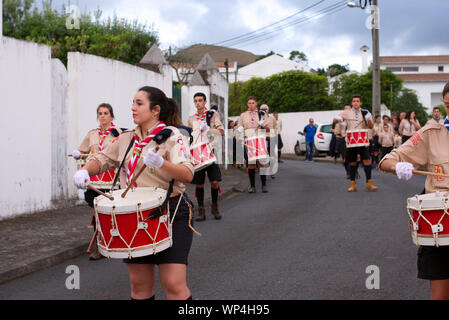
x: 436, y: 116
x: 358, y: 118
x: 249, y: 120
x: 199, y: 123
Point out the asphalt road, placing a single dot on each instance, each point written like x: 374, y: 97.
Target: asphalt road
x: 308, y: 238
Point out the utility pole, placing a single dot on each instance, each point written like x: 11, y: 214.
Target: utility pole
x: 226, y: 63
x: 376, y: 62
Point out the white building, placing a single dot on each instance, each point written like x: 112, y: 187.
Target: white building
x: 268, y: 66
x: 426, y: 75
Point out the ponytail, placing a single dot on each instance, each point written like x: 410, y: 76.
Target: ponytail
x: 169, y: 109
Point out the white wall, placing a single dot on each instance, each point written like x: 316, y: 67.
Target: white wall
x: 293, y: 122
x: 268, y: 66
x: 94, y: 80
x: 425, y: 90
x: 25, y: 102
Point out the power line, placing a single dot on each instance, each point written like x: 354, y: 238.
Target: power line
x: 270, y: 25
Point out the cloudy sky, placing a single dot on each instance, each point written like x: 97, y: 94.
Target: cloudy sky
x: 327, y: 31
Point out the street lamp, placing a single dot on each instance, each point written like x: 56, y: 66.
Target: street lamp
x: 375, y: 37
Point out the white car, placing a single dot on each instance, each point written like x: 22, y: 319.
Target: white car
x: 322, y: 140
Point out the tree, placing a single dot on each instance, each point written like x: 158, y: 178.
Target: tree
x: 333, y: 70
x: 289, y: 91
x: 407, y: 100
x: 112, y: 38
x: 298, y: 56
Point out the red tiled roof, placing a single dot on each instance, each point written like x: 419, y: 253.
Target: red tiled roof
x: 414, y: 59
x: 423, y: 77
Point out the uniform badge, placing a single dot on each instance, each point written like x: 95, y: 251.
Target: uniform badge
x: 151, y: 170
x: 438, y: 169
x: 416, y: 138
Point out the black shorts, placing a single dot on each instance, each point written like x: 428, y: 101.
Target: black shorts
x: 351, y: 153
x: 90, y: 195
x: 213, y: 173
x: 433, y: 262
x: 182, y: 237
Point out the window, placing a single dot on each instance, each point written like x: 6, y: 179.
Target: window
x: 394, y: 69
x: 440, y: 68
x: 410, y: 69
x: 326, y: 128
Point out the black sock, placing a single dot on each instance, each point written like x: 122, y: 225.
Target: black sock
x: 200, y: 196
x: 252, y: 177
x: 214, y: 194
x: 263, y: 178
x: 367, y: 172
x: 352, y: 171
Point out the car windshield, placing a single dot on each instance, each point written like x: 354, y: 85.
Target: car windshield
x: 326, y: 128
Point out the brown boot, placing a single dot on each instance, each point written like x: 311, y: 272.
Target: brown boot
x: 370, y: 186
x: 214, y: 211
x: 352, y: 187
x: 201, y: 214
x: 96, y: 255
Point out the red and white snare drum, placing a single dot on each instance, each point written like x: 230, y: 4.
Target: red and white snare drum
x: 123, y: 231
x: 256, y: 147
x: 202, y: 155
x: 429, y: 217
x: 357, y: 138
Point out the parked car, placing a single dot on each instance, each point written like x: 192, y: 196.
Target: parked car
x: 322, y: 140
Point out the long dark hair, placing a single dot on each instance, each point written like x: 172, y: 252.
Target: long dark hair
x: 169, y: 107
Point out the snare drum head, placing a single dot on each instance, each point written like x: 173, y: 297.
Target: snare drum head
x: 148, y: 198
x: 428, y: 201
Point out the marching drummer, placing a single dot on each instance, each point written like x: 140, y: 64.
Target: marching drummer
x: 166, y: 157
x: 206, y: 125
x: 358, y: 118
x: 96, y: 140
x: 428, y: 147
x: 250, y: 120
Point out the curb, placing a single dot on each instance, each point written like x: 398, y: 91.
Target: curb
x: 43, y: 263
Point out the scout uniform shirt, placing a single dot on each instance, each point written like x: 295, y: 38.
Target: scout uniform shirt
x: 249, y: 120
x: 278, y: 126
x: 397, y: 140
x: 174, y: 149
x: 92, y: 141
x: 429, y: 147
x: 270, y: 121
x: 354, y: 119
x: 340, y: 130
x: 406, y: 128
x: 386, y: 139
x: 215, y: 125
x: 440, y: 121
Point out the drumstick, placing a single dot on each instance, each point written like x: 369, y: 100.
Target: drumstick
x: 427, y: 173
x: 92, y: 241
x: 81, y: 155
x: 100, y: 192
x: 136, y: 176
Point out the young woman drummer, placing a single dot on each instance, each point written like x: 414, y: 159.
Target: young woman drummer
x: 153, y: 112
x: 428, y: 147
x: 95, y: 141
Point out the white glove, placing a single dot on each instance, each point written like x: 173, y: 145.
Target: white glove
x: 339, y: 118
x: 261, y: 123
x: 240, y: 129
x: 204, y: 126
x: 81, y: 179
x: 153, y: 159
x: 76, y: 154
x: 369, y: 116
x: 404, y: 170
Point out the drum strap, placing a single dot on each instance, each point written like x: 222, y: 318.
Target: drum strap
x: 121, y: 164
